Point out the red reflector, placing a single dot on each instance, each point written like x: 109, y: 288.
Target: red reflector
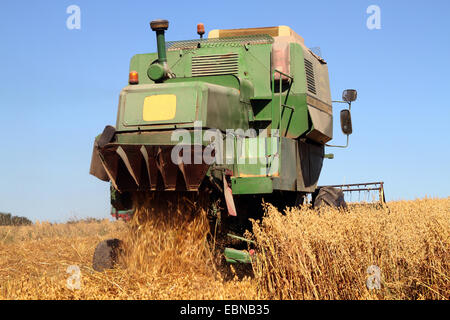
x: 133, y: 78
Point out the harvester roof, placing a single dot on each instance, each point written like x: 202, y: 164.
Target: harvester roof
x: 280, y: 31
x: 281, y: 34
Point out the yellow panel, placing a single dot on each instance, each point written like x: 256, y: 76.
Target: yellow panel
x: 159, y: 107
x: 284, y: 31
x: 280, y: 31
x: 224, y: 33
x: 213, y: 34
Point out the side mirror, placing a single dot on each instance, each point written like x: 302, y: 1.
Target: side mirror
x: 349, y: 95
x: 346, y: 122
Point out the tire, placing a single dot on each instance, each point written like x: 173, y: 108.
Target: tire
x: 106, y: 254
x: 328, y: 196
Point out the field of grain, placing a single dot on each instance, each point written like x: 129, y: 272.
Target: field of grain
x: 301, y: 254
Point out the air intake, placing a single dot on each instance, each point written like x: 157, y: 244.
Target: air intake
x: 217, y: 64
x: 310, y: 81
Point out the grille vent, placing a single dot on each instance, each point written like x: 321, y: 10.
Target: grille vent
x: 310, y: 81
x: 219, y: 42
x: 217, y: 64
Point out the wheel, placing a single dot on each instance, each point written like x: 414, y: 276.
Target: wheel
x: 106, y: 254
x: 328, y: 196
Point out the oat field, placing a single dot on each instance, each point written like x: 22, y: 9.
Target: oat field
x: 300, y: 254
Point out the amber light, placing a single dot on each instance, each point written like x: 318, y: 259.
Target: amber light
x: 201, y: 29
x: 133, y: 77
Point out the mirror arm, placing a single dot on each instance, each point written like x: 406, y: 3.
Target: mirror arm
x: 337, y: 101
x: 346, y: 145
x: 332, y: 146
x: 349, y: 103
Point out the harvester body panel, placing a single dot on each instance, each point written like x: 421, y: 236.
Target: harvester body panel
x: 262, y: 87
x: 216, y: 106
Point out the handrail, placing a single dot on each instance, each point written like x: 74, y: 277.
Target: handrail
x: 365, y: 186
x: 291, y: 80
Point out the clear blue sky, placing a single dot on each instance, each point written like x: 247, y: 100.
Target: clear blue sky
x: 60, y: 87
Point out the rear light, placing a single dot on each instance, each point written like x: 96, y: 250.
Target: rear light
x: 133, y: 77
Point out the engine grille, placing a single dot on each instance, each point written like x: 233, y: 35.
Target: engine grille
x: 218, y: 64
x: 310, y: 80
x: 218, y: 42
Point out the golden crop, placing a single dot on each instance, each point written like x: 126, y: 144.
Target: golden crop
x: 301, y: 254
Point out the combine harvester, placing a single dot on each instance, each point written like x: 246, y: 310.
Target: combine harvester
x: 239, y: 117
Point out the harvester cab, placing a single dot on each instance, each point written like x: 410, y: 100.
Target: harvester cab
x: 241, y: 116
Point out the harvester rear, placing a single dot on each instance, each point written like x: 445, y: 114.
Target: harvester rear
x: 239, y: 117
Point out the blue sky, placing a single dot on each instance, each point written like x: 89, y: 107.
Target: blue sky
x: 60, y: 87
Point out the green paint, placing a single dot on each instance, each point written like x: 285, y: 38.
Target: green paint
x: 237, y: 256
x: 161, y: 46
x: 230, y: 86
x: 251, y: 185
x: 156, y: 72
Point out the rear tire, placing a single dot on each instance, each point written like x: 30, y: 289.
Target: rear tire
x: 106, y: 254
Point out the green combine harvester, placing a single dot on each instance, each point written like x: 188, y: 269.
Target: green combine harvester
x: 242, y: 116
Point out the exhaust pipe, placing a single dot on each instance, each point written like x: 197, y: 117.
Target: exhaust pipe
x: 159, y: 26
x: 159, y: 71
